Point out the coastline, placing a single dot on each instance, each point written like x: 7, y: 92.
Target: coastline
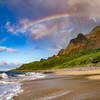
x: 66, y: 84
x: 93, y: 70
x: 60, y: 88
x: 67, y: 71
x: 54, y: 70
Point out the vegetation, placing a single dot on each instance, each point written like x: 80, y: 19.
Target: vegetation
x: 84, y: 50
x: 81, y: 58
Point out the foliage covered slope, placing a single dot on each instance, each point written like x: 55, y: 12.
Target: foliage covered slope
x: 84, y: 50
x: 87, y: 57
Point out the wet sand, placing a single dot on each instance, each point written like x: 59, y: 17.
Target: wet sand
x: 61, y: 88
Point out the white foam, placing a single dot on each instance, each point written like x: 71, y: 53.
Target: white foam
x: 31, y: 76
x: 11, y: 86
x: 3, y: 76
x: 3, y: 82
x: 10, y: 90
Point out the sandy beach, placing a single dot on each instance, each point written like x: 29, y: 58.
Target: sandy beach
x: 65, y: 85
x: 94, y: 71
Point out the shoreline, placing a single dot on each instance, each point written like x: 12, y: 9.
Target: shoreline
x: 60, y: 88
x: 57, y: 70
x: 53, y: 70
x: 93, y: 70
x: 56, y: 88
x: 90, y: 70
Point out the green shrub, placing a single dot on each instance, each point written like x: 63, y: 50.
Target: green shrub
x: 82, y: 57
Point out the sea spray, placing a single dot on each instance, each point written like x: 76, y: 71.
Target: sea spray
x: 10, y: 83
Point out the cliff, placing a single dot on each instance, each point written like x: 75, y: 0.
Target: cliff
x: 84, y: 50
x: 91, y: 40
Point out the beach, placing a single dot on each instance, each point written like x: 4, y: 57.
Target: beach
x: 63, y: 86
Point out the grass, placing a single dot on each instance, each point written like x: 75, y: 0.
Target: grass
x: 81, y: 58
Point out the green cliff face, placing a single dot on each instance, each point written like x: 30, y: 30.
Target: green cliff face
x: 84, y: 50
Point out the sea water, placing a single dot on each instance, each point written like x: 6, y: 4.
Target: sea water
x: 10, y: 83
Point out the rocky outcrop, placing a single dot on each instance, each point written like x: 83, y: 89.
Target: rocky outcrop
x: 91, y: 40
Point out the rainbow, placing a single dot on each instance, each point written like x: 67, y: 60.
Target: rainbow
x: 42, y: 20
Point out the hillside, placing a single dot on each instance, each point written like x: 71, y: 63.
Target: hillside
x: 84, y: 50
x: 91, y: 40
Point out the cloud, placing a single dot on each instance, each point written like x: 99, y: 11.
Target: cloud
x: 54, y: 49
x: 93, y: 18
x: 4, y: 63
x: 74, y: 7
x: 38, y: 30
x: 17, y: 27
x: 41, y: 8
x: 85, y: 7
x: 36, y: 48
x: 57, y: 31
x: 5, y: 49
x: 10, y: 28
x: 24, y: 22
x: 36, y: 8
x: 41, y: 30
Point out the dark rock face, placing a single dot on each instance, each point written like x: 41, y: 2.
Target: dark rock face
x: 94, y: 38
x: 80, y: 39
x: 61, y: 51
x: 76, y: 44
x: 42, y: 59
x: 91, y: 40
x: 97, y: 28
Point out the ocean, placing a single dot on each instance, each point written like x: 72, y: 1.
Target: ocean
x: 10, y: 83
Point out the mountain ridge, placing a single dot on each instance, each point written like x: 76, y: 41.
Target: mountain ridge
x: 84, y: 50
x: 91, y: 40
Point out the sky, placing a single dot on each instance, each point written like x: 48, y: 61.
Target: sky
x: 35, y: 29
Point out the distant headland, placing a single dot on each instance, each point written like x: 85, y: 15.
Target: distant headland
x: 84, y: 50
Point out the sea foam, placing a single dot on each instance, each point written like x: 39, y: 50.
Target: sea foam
x: 10, y: 85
